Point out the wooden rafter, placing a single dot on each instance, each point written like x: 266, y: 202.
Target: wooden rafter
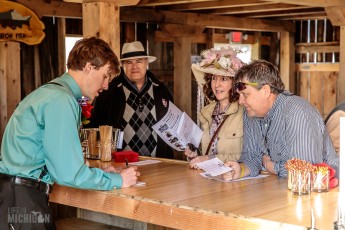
x: 212, y: 21
x: 311, y: 13
x: 314, y: 3
x: 118, y: 2
x: 266, y: 8
x: 137, y: 14
x: 168, y: 2
x: 212, y: 5
x: 256, y: 9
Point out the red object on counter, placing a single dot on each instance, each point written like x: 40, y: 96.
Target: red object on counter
x: 131, y: 156
x: 333, y: 181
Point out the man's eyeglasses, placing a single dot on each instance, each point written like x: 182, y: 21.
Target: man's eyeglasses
x: 239, y: 86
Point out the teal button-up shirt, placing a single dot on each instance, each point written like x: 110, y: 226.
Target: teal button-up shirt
x: 43, y: 130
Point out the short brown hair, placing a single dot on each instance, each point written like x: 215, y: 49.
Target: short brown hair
x: 94, y: 51
x: 263, y: 73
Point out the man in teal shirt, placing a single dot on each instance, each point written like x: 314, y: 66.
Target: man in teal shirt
x: 41, y: 144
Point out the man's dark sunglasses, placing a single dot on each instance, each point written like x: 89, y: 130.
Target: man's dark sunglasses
x: 239, y: 86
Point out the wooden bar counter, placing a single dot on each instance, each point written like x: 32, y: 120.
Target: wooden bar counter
x: 178, y: 197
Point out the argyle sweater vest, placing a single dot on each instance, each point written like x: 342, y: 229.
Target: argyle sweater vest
x: 139, y: 117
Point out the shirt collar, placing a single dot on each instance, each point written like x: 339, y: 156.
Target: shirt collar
x: 133, y: 85
x: 68, y: 81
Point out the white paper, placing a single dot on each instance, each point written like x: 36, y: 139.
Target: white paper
x: 214, y: 167
x: 177, y: 129
x: 219, y: 178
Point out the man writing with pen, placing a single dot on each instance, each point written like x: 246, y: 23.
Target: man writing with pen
x: 41, y: 144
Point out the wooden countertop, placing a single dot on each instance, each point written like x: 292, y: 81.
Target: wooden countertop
x: 176, y: 196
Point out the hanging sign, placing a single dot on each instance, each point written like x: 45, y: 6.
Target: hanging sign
x: 236, y: 37
x: 19, y: 23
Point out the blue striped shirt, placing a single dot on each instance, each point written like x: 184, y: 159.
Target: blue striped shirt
x: 292, y: 128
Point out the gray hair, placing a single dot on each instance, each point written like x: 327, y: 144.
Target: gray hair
x: 263, y: 73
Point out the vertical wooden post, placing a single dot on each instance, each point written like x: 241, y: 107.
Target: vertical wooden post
x: 129, y: 32
x: 341, y: 76
x: 210, y: 40
x: 183, y: 75
x: 287, y: 60
x: 9, y: 81
x: 256, y: 47
x: 102, y: 20
x: 61, y: 45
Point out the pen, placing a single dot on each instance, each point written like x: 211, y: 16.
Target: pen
x: 126, y: 163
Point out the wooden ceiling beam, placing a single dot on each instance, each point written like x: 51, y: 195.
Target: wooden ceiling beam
x: 310, y: 12
x: 255, y: 9
x: 134, y: 14
x: 314, y: 3
x: 118, y: 2
x: 160, y: 36
x: 211, y: 5
x: 137, y: 14
x: 336, y: 15
x: 177, y: 31
x: 53, y: 8
x: 315, y: 16
x: 168, y: 2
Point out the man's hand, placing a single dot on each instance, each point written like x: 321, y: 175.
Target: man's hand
x: 129, y: 176
x: 196, y: 160
x: 233, y: 174
x: 268, y: 164
x: 189, y: 153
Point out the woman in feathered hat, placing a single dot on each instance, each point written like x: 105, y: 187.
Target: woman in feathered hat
x: 221, y: 120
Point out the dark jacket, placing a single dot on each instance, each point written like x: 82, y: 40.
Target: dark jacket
x: 109, y: 107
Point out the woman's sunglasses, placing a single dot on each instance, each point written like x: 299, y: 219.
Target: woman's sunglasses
x: 239, y: 86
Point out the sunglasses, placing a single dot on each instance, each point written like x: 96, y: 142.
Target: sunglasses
x: 239, y: 86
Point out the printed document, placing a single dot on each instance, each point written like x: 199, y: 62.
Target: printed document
x: 177, y: 129
x: 214, y: 167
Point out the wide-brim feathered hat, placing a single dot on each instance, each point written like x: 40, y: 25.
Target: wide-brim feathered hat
x: 223, y: 62
x: 134, y: 50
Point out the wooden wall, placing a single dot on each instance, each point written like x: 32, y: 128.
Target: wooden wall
x: 35, y: 65
x: 317, y: 63
x: 10, y: 82
x: 317, y: 84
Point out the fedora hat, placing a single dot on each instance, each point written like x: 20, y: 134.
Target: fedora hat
x: 134, y: 50
x: 223, y: 62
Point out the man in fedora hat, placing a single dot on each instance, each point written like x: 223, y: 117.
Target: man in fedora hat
x: 134, y: 102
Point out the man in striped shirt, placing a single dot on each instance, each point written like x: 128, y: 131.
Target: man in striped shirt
x: 278, y: 125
